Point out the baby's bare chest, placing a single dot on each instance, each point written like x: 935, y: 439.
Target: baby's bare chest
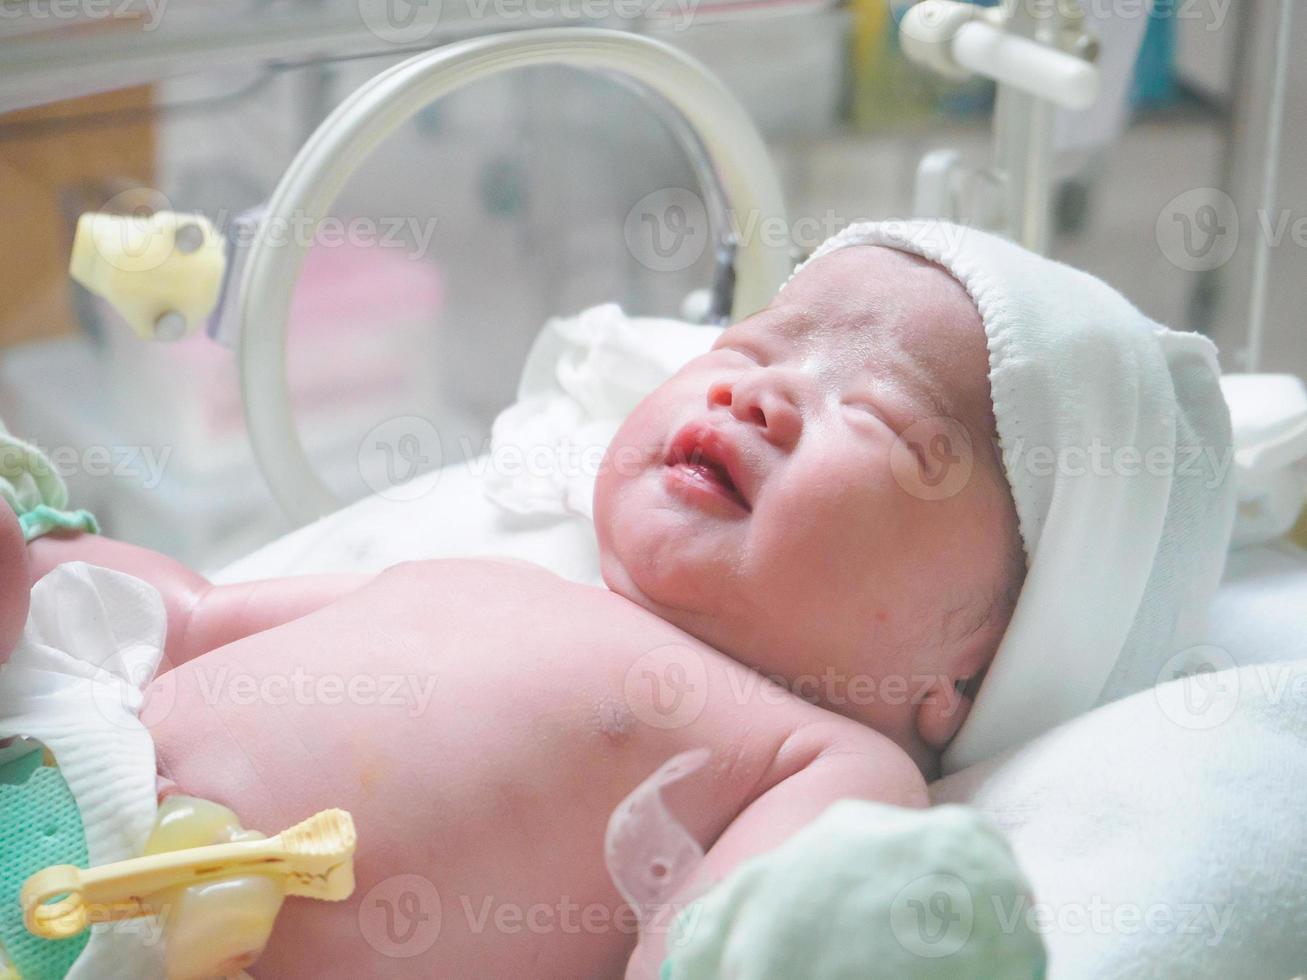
x: 524, y: 693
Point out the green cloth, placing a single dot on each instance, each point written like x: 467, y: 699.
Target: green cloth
x: 41, y: 826
x: 868, y: 890
x: 35, y: 491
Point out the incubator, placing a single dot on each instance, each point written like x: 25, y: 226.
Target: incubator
x: 320, y: 342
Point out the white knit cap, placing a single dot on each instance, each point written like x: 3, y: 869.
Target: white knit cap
x: 1116, y: 444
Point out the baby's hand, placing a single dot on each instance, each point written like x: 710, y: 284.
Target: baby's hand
x: 867, y: 888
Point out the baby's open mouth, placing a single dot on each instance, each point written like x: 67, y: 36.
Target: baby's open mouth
x: 704, y: 458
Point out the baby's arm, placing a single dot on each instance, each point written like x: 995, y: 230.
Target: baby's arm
x: 201, y: 616
x: 821, y: 763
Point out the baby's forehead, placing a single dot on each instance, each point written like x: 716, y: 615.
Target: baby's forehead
x: 889, y: 313
x: 877, y: 293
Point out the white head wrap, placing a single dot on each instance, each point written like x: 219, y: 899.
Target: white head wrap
x: 1116, y: 444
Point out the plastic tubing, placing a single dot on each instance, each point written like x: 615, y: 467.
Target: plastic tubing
x: 378, y: 108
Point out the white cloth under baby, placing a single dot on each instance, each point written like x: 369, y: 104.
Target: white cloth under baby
x: 1179, y: 852
x: 582, y: 378
x: 1117, y: 446
x: 93, y: 640
x: 1268, y: 414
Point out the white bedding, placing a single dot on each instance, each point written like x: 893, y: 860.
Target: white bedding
x: 445, y: 514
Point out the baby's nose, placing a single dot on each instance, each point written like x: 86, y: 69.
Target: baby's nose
x: 765, y: 398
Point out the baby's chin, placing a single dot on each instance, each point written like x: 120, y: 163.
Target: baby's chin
x: 660, y: 577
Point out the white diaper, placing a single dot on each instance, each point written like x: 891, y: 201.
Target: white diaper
x: 93, y: 640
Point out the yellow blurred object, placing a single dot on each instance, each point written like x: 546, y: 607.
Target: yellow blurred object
x: 58, y: 160
x: 1298, y: 533
x: 313, y: 859
x: 886, y: 87
x: 163, y: 272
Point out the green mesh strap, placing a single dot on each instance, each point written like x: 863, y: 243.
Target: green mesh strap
x: 41, y: 827
x: 42, y: 519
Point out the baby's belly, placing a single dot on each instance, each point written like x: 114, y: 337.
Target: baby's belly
x: 481, y: 722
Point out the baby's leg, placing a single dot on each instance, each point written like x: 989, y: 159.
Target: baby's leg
x: 178, y: 585
x: 222, y: 614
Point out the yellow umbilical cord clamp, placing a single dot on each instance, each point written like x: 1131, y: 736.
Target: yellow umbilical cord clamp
x: 313, y: 859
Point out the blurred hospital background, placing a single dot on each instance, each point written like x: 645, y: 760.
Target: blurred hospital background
x: 506, y: 204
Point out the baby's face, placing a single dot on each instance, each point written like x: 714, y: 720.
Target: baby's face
x: 803, y: 497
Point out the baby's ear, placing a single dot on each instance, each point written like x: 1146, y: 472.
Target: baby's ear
x: 943, y: 708
x: 15, y: 581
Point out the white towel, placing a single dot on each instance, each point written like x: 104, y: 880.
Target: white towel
x: 1116, y: 443
x: 582, y: 378
x: 1180, y: 851
x: 1268, y: 413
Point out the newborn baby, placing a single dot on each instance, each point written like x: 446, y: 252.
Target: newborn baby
x: 789, y: 589
x: 752, y: 517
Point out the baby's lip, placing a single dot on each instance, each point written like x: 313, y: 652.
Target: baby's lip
x: 706, y: 445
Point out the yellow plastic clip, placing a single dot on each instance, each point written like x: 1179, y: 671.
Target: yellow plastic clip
x: 313, y: 859
x: 163, y: 272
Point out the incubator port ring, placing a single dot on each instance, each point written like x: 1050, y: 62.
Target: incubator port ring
x: 319, y: 171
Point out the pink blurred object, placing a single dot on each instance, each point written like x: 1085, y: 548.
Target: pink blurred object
x: 360, y: 336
